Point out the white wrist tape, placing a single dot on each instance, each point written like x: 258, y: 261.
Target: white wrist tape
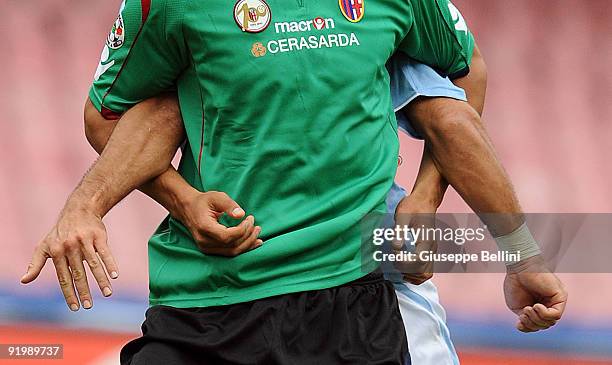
x: 519, y: 241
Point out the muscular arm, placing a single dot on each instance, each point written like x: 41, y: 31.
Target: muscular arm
x: 169, y: 188
x: 135, y: 150
x: 454, y: 132
x: 134, y: 154
x: 132, y: 157
x: 198, y: 211
x: 430, y: 186
x: 459, y: 147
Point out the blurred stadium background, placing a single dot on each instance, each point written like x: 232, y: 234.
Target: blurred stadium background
x: 548, y: 111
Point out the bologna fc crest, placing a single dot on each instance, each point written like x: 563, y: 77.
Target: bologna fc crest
x: 352, y: 9
x: 116, y: 37
x: 252, y: 16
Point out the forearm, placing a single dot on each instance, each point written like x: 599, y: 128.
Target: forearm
x: 134, y: 151
x: 171, y: 191
x: 430, y: 186
x: 463, y: 153
x: 491, y: 172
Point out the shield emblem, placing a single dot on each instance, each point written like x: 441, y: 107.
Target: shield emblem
x: 352, y: 9
x: 116, y: 37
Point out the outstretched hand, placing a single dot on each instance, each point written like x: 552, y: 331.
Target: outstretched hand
x: 79, y: 235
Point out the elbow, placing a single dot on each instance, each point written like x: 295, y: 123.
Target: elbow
x: 457, y: 123
x: 479, y: 68
x: 89, y: 132
x: 89, y: 123
x: 480, y: 73
x: 97, y: 128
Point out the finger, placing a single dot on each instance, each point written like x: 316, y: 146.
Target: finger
x: 79, y: 276
x: 103, y: 250
x: 250, y: 227
x: 540, y: 311
x: 221, y: 202
x: 521, y: 327
x: 401, y: 220
x: 65, y: 281
x: 552, y: 313
x: 528, y: 323
x: 235, y: 251
x: 251, y: 242
x: 224, y: 236
x: 535, y: 318
x: 397, y: 246
x: 95, y: 265
x: 39, y: 258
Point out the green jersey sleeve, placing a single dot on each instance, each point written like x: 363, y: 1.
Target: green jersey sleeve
x: 143, y: 56
x: 439, y: 37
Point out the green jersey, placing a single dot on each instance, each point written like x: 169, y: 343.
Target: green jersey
x: 287, y: 109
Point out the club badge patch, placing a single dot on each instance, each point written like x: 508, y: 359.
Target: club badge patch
x: 252, y: 16
x: 116, y: 38
x: 352, y: 10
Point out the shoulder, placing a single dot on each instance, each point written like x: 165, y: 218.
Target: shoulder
x: 431, y: 7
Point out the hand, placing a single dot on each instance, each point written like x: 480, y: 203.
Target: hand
x: 535, y: 294
x: 415, y: 212
x: 201, y: 217
x: 78, y: 235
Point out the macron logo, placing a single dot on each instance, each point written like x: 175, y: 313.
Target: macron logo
x: 317, y: 23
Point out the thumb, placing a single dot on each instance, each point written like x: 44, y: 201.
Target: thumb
x: 221, y: 202
x: 550, y: 311
x: 35, y: 267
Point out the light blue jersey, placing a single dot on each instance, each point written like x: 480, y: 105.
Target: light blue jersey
x: 424, y: 317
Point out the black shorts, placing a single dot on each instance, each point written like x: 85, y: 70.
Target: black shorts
x: 356, y: 323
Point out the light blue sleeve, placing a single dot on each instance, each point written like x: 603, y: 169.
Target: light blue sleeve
x: 409, y: 80
x: 395, y: 195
